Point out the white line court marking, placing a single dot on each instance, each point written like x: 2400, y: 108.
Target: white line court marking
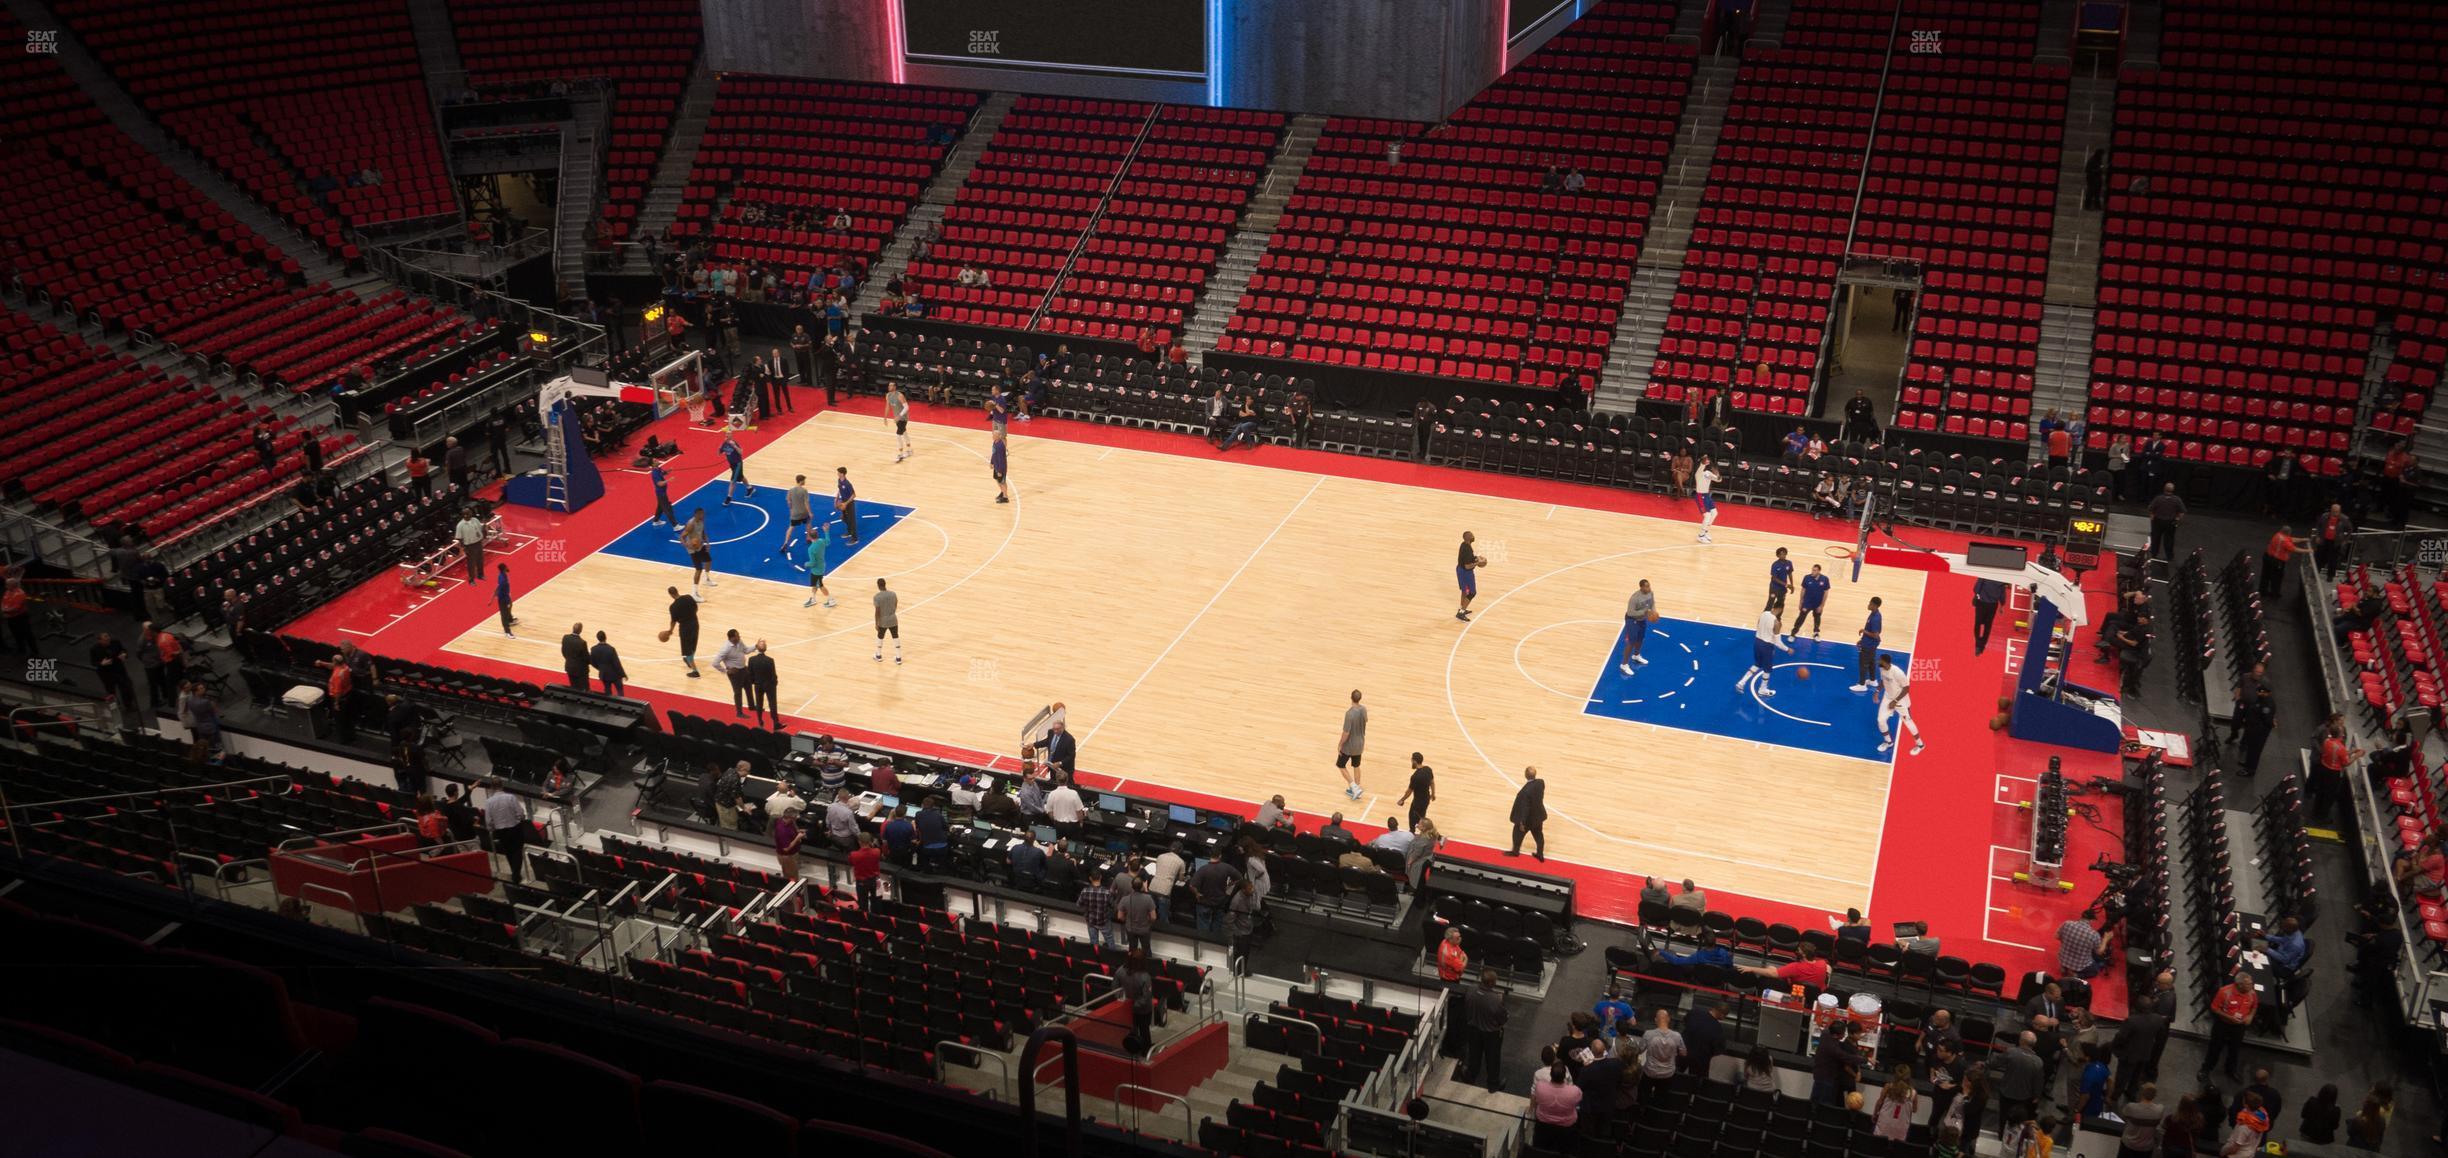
x: 1184, y: 633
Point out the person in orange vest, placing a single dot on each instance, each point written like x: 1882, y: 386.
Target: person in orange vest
x: 2328, y: 786
x: 336, y: 694
x: 1452, y: 962
x: 2274, y: 559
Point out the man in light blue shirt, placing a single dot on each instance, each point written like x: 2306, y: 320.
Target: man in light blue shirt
x: 2286, y: 947
x: 1395, y: 837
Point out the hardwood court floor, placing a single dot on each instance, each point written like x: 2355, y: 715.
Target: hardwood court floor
x: 1206, y: 620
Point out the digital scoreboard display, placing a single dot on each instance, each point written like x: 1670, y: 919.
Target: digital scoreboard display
x: 1152, y: 39
x: 2082, y: 539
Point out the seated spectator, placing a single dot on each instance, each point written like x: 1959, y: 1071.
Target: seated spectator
x: 1273, y: 814
x: 1394, y: 837
x: 1690, y: 900
x: 1574, y: 182
x: 1335, y: 831
x: 1709, y: 953
x: 1809, y: 970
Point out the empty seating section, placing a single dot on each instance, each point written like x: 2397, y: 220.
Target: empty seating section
x: 1021, y: 212
x: 781, y: 147
x: 2276, y: 193
x: 645, y: 52
x: 1150, y: 251
x: 1963, y: 183
x: 302, y: 96
x: 1465, y: 259
x: 1751, y: 306
x: 97, y: 435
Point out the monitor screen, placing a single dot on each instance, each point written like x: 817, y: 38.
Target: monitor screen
x: 1109, y: 802
x: 1223, y: 822
x: 889, y: 803
x: 1184, y: 814
x: 802, y: 742
x: 1044, y: 834
x: 981, y: 823
x: 912, y: 810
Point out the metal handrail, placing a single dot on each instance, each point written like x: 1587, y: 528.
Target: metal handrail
x: 147, y: 792
x: 393, y: 826
x: 348, y: 902
x: 984, y: 1055
x: 1027, y: 1102
x: 1189, y: 1130
x: 212, y: 867
x: 221, y: 882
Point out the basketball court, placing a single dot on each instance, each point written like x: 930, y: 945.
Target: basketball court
x: 1206, y: 618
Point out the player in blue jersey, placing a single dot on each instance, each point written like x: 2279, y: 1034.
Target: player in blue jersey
x: 1814, y: 601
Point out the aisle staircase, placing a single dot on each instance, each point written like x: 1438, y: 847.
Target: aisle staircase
x: 581, y: 182
x: 1239, y: 261
x: 895, y: 259
x: 1640, y: 326
x: 670, y: 184
x: 437, y: 41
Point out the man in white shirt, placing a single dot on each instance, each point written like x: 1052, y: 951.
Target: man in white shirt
x: 505, y: 816
x: 1165, y: 872
x: 1064, y: 807
x: 1895, y: 702
x: 471, y: 535
x: 1396, y: 837
x: 1766, y: 641
x: 1702, y: 479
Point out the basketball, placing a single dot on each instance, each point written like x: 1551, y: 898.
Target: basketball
x: 1803, y: 674
x: 663, y: 636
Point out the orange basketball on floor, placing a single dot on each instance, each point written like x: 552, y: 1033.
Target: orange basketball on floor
x: 1803, y: 674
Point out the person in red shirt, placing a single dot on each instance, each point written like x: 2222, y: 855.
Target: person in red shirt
x: 1809, y: 970
x: 1452, y: 962
x: 418, y: 468
x: 336, y: 692
x: 2274, y: 558
x: 2060, y: 446
x: 16, y: 609
x: 2328, y: 786
x: 866, y: 868
x: 1147, y: 344
x: 2230, y: 1012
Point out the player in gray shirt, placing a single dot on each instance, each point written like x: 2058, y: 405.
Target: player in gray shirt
x: 1637, y: 614
x: 799, y: 515
x: 1355, y: 737
x: 896, y: 407
x: 888, y: 620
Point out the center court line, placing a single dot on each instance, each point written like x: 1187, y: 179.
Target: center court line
x: 1280, y: 524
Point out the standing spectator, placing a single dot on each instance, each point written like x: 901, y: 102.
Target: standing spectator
x: 1139, y: 991
x: 501, y: 597
x: 574, y: 656
x: 607, y: 665
x: 1901, y: 323
x: 1555, y: 1103
x: 2022, y: 1078
x: 267, y: 450
x: 1096, y: 904
x: 1662, y: 1052
x: 471, y: 535
x: 420, y: 474
x: 1242, y: 922
x: 1861, y: 419
x: 1451, y: 960
x: 2095, y: 180
x: 2133, y: 1046
x: 1483, y: 1018
x: 2318, y: 1120
x: 764, y: 686
x: 339, y: 694
x: 2078, y: 949
x: 1217, y: 432
x: 2166, y: 510
x: 2369, y: 1127
x: 1300, y: 414
x: 866, y: 869
x: 1211, y: 888
x: 109, y: 658
x: 1164, y: 875
x: 2060, y: 446
x: 1836, y: 1067
x: 2120, y: 455
x: 1704, y: 1036
x: 1530, y: 815
x: 2231, y: 1011
x: 2142, y: 1116
x: 454, y: 465
x: 803, y: 351
x: 149, y: 657
x: 202, y: 719
x: 497, y: 433
x: 788, y: 836
x: 2249, y: 1127
x: 1137, y: 913
x: 2274, y: 559
x: 2330, y: 533
x: 505, y: 817
x: 2328, y: 780
x: 1946, y: 1077
x: 1892, y: 1115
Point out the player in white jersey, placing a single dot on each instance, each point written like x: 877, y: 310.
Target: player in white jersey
x: 1895, y: 702
x: 1768, y: 640
x: 1702, y: 479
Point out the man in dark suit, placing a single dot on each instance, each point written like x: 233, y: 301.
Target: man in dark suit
x: 1530, y: 815
x: 455, y: 464
x: 1060, y: 748
x: 763, y: 683
x: 1987, y: 595
x: 574, y: 656
x: 607, y: 665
